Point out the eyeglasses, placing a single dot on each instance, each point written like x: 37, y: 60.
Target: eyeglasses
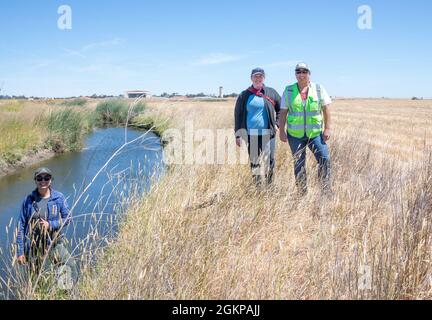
x: 45, y: 178
x: 302, y: 72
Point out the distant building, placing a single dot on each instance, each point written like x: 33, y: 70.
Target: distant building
x: 133, y: 94
x: 221, y: 92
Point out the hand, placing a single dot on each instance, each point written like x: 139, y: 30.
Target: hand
x: 238, y: 142
x: 283, y: 136
x: 21, y: 260
x: 44, y: 224
x: 327, y: 135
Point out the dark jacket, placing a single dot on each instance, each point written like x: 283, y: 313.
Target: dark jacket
x: 240, y: 112
x: 58, y: 216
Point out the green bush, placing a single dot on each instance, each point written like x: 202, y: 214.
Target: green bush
x: 75, y: 102
x: 158, y: 124
x: 66, y: 128
x: 116, y: 111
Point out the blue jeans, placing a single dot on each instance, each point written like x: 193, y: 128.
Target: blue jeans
x: 321, y: 152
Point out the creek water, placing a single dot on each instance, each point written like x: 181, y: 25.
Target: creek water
x: 130, y: 173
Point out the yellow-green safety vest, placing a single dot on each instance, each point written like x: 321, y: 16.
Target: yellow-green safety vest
x: 304, y: 119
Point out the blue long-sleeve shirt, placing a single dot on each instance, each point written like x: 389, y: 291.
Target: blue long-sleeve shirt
x: 58, y: 216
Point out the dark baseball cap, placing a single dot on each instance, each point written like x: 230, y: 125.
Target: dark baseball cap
x: 40, y: 171
x: 258, y: 71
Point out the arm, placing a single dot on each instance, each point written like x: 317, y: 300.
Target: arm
x: 282, y: 121
x: 22, y: 225
x: 238, y: 112
x: 238, y: 115
x: 277, y: 107
x: 326, y: 101
x: 327, y: 123
x: 283, y: 118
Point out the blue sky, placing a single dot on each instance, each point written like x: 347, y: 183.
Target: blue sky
x: 196, y: 46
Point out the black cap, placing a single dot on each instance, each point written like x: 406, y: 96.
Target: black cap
x: 40, y: 171
x: 258, y: 70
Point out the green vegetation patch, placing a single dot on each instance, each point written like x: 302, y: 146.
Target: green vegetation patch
x: 156, y: 123
x: 117, y: 111
x: 80, y: 102
x: 13, y: 106
x: 66, y: 128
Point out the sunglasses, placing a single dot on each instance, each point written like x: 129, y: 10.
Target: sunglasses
x: 302, y: 72
x: 45, y: 178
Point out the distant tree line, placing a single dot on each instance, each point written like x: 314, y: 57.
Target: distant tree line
x: 232, y: 95
x: 104, y: 96
x: 167, y: 95
x: 94, y: 96
x: 196, y: 95
x: 15, y: 97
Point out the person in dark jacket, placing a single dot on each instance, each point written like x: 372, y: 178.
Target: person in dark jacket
x: 256, y: 119
x: 44, y: 214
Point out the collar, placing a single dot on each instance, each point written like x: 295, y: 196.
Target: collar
x: 262, y: 89
x: 310, y: 85
x: 35, y: 195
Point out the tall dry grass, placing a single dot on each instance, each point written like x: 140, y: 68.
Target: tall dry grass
x: 205, y: 232
x: 20, y: 132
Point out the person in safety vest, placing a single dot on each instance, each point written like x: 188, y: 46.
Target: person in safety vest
x: 256, y: 119
x: 306, y: 113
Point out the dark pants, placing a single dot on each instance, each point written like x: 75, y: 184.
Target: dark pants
x: 262, y: 157
x: 59, y: 260
x: 321, y: 152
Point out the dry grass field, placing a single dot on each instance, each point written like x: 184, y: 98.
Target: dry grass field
x: 205, y: 232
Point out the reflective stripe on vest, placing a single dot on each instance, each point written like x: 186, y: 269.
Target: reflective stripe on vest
x: 318, y: 89
x: 301, y: 126
x: 308, y: 114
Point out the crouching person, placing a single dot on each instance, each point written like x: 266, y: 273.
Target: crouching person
x: 40, y: 242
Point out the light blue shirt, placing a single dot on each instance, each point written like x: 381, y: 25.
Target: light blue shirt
x: 257, y: 116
